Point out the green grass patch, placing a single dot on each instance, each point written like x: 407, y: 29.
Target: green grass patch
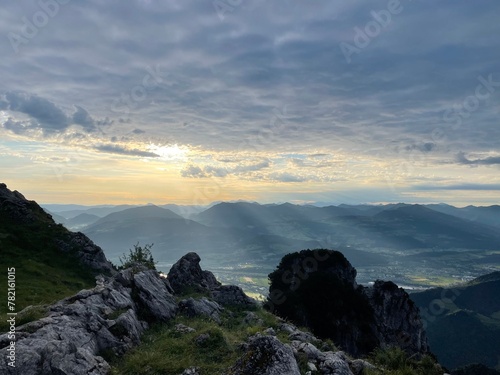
x: 165, y: 351
x: 394, y: 361
x: 43, y: 273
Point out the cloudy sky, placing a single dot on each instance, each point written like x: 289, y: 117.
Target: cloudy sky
x: 271, y: 101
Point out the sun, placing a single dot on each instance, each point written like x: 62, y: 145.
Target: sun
x: 169, y: 152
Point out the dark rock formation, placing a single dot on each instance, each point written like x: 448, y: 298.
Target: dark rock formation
x: 266, y: 355
x: 318, y: 289
x: 397, y: 319
x: 105, y: 319
x: 16, y: 209
x: 86, y: 251
x: 186, y: 273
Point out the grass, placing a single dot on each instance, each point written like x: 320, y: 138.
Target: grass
x: 165, y: 351
x: 394, y: 361
x: 43, y: 273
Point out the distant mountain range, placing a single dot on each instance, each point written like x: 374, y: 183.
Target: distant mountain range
x: 227, y: 233
x: 463, y: 323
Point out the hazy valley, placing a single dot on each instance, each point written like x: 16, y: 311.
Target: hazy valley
x: 416, y: 246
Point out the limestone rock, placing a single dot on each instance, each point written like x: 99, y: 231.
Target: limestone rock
x: 186, y: 272
x: 181, y: 328
x: 232, y: 295
x: 87, y: 252
x: 191, y: 371
x: 70, y: 339
x: 266, y: 355
x: 154, y: 295
x: 335, y: 364
x: 204, y: 307
x: 252, y: 319
x: 358, y: 366
x: 397, y: 318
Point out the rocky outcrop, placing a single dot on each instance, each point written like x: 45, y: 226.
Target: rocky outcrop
x: 108, y: 319
x: 16, y: 209
x: 318, y: 289
x: 201, y: 307
x: 186, y: 273
x: 397, y: 319
x: 231, y: 295
x: 266, y: 355
x: 86, y: 251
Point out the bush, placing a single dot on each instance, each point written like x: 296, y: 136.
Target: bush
x: 138, y: 256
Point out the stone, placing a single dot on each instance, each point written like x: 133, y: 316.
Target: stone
x: 397, y: 318
x: 201, y: 307
x: 191, y: 371
x: 358, y: 366
x: 266, y: 355
x: 303, y: 336
x: 77, y: 329
x: 232, y: 295
x: 335, y: 364
x: 270, y: 331
x: 154, y: 295
x: 252, y: 319
x: 312, y: 352
x: 186, y: 273
x: 181, y: 328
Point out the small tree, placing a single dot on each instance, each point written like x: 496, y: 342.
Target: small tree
x: 138, y: 256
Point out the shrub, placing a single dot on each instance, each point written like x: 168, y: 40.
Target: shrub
x: 138, y: 256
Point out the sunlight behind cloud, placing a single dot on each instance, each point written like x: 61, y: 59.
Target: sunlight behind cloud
x: 170, y: 152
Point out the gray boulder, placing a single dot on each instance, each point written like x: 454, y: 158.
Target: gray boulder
x: 201, y: 307
x: 266, y: 355
x: 76, y: 330
x: 187, y: 273
x: 232, y: 295
x: 358, y: 366
x: 335, y: 364
x: 153, y: 294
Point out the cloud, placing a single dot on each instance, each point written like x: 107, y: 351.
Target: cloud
x: 115, y: 149
x: 224, y: 171
x: 422, y: 147
x: 479, y: 187
x: 193, y: 171
x: 17, y: 127
x: 461, y: 158
x: 271, y: 80
x: 286, y: 177
x: 248, y: 81
x: 83, y: 118
x: 46, y: 115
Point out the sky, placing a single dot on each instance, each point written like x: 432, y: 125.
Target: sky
x: 190, y: 102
